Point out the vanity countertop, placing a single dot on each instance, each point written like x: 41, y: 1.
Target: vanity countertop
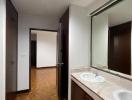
x: 99, y: 91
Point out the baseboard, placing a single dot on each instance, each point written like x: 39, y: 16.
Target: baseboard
x: 23, y: 91
x: 46, y: 67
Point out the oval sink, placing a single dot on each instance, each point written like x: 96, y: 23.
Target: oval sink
x: 123, y: 95
x: 91, y: 77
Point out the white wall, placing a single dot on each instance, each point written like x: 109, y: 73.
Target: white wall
x: 46, y: 48
x: 2, y: 47
x: 24, y: 23
x: 79, y: 40
x: 100, y: 40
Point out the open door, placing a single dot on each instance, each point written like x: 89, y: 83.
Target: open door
x: 62, y: 59
x: 59, y: 60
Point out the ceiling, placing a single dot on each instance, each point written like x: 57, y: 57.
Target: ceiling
x: 82, y: 3
x: 49, y: 8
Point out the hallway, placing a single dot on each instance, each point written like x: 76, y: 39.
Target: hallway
x: 43, y: 85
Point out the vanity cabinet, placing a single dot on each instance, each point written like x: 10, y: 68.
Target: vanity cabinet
x: 78, y: 94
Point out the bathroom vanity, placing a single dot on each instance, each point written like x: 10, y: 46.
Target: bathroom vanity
x: 110, y: 74
x: 109, y: 89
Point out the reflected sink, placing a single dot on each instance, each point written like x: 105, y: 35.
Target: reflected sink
x: 123, y: 95
x: 91, y: 77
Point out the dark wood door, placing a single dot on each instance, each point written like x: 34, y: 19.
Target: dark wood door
x: 11, y: 50
x: 33, y: 53
x: 62, y: 59
x: 59, y: 60
x: 119, y: 48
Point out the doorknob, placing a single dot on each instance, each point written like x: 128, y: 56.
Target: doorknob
x: 60, y: 64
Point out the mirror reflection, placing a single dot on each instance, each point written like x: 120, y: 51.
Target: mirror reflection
x: 111, y: 38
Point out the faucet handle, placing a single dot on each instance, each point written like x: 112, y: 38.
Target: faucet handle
x: 96, y: 74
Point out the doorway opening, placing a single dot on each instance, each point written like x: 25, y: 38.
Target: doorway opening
x: 51, y: 83
x: 43, y: 46
x: 46, y: 80
x: 43, y: 70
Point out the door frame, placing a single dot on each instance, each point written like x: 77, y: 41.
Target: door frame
x: 30, y: 29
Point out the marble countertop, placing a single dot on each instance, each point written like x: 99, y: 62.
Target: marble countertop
x: 100, y: 91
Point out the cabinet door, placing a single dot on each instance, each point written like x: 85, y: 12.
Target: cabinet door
x: 78, y: 94
x: 87, y: 97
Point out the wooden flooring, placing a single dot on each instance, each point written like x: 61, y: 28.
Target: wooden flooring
x: 43, y: 85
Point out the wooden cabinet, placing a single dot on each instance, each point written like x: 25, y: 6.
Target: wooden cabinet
x: 78, y: 94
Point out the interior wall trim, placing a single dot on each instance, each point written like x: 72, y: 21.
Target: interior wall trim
x: 50, y: 67
x: 104, y: 7
x: 23, y: 91
x: 43, y: 29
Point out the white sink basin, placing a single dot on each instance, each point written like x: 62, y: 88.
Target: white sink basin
x: 91, y: 77
x: 123, y: 95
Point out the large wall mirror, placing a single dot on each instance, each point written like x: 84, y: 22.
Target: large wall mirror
x: 112, y: 38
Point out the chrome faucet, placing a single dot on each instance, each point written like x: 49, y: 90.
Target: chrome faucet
x: 96, y: 74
